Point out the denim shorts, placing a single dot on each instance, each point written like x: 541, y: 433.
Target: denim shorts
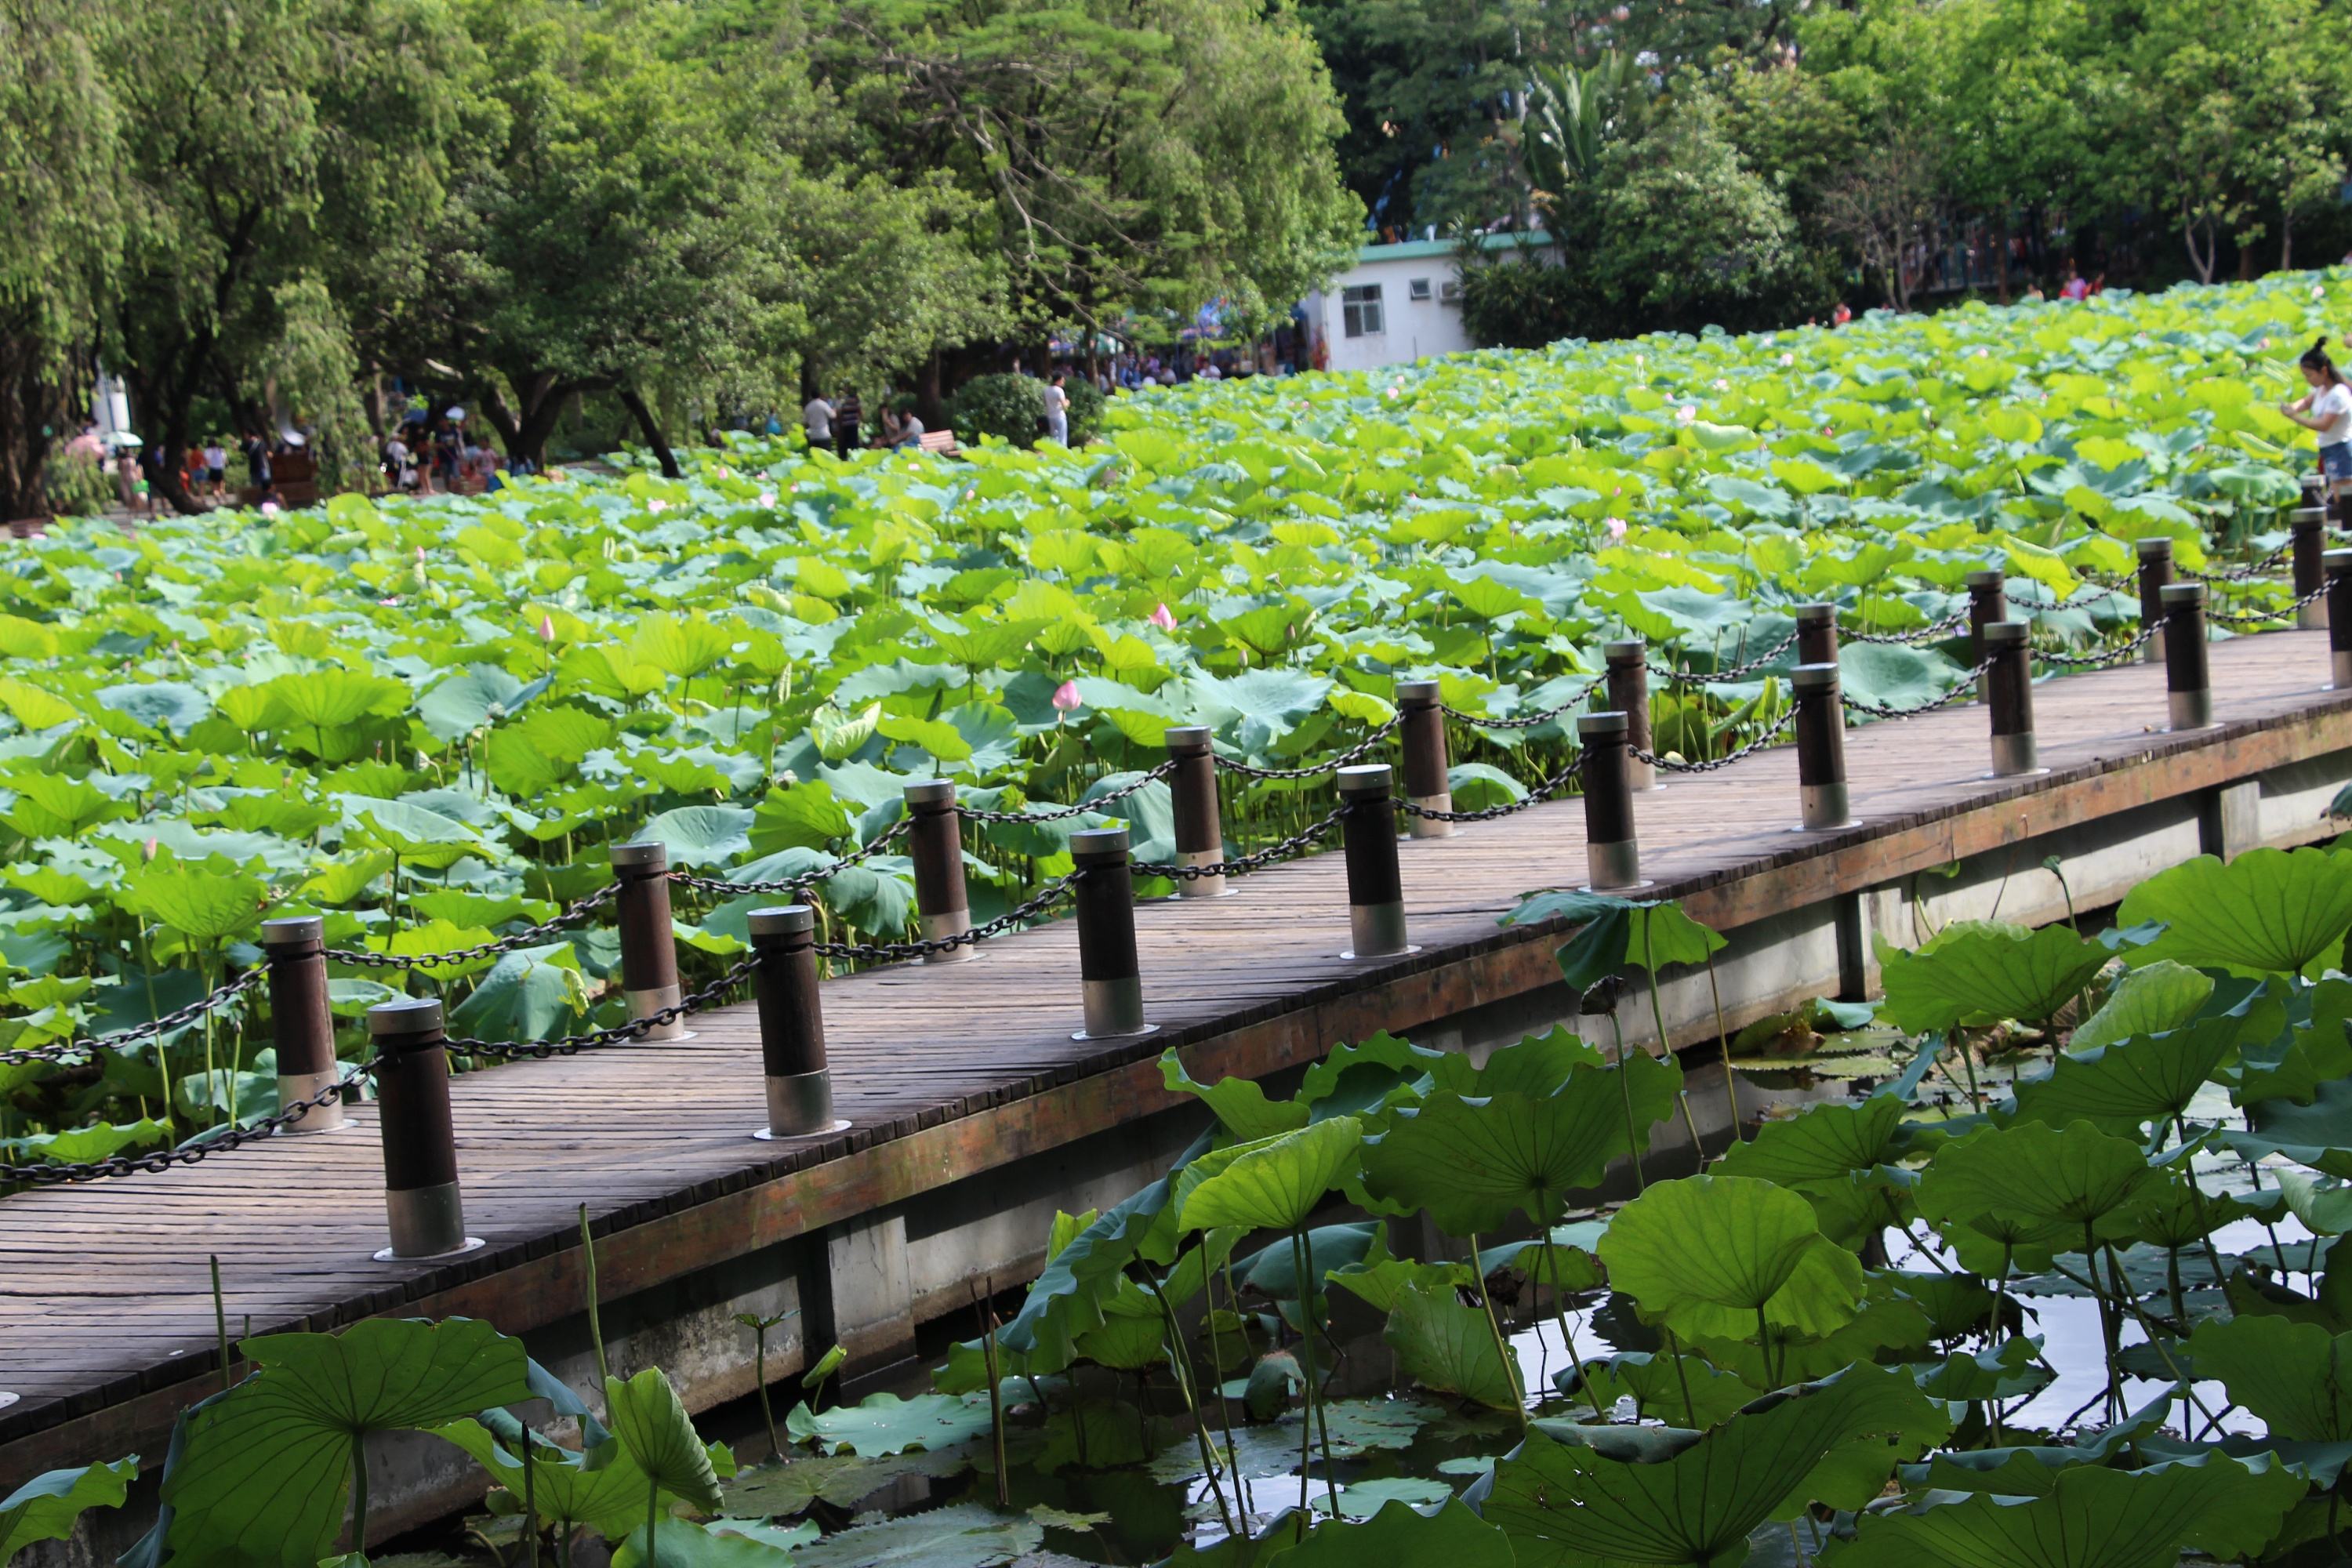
x: 2336, y: 462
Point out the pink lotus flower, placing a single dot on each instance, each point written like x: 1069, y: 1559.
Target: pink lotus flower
x: 1162, y: 617
x: 1616, y: 526
x: 1065, y: 696
x: 767, y: 498
x: 547, y: 628
x: 725, y: 472
x: 269, y: 508
x: 1788, y: 360
x: 1687, y: 413
x: 147, y: 850
x: 420, y: 554
x: 387, y: 600
x: 1721, y: 384
x: 656, y: 504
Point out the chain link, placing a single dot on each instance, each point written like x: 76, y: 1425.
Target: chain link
x: 922, y: 947
x: 2239, y: 573
x: 1525, y: 720
x: 1965, y: 685
x: 1543, y: 792
x: 1257, y: 860
x: 1709, y: 677
x: 1334, y: 765
x: 49, y: 1176
x: 2228, y: 619
x: 797, y: 887
x: 123, y: 1039
x: 2102, y: 659
x: 635, y: 1029
x: 529, y: 936
x: 1675, y: 765
x: 1063, y: 813
x: 1927, y: 633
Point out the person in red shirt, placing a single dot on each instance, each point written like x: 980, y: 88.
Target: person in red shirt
x: 1840, y: 316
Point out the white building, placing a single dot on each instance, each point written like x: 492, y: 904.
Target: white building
x: 1399, y: 303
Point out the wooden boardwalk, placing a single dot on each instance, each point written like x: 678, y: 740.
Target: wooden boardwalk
x: 106, y: 1317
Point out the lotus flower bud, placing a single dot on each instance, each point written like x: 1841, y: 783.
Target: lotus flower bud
x: 1065, y: 696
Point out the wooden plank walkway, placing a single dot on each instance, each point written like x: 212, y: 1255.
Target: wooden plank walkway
x: 106, y: 1316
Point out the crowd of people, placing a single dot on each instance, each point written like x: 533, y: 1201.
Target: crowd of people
x: 427, y: 456
x: 839, y: 422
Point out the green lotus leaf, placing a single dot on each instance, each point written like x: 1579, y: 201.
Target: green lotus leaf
x: 47, y: 1507
x: 2031, y: 1177
x: 1449, y: 1347
x: 2150, y: 1000
x: 2297, y: 1378
x: 1331, y: 1249
x: 1983, y: 972
x: 701, y: 835
x: 2269, y: 911
x: 1272, y: 1183
x: 463, y: 703
x: 171, y: 705
x: 651, y: 1424
x: 210, y: 900
x: 608, y: 1496
x: 1353, y: 1079
x: 1820, y: 1146
x: 1573, y: 1506
x: 1381, y: 1284
x: 525, y: 996
x: 1716, y: 1255
x: 1685, y: 1391
x: 1239, y: 1103
x: 719, y: 1544
x: 1533, y: 1065
x: 2123, y: 1086
x: 960, y: 1535
x: 2034, y: 1471
x: 885, y: 1424
x: 261, y: 1472
x: 2319, y: 1135
x: 2092, y: 1518
x: 1397, y: 1533
x: 418, y: 835
x: 324, y: 700
x: 1474, y: 1163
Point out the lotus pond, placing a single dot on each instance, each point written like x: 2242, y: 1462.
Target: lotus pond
x: 2052, y: 1281
x: 424, y: 720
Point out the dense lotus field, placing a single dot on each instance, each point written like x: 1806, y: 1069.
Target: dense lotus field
x: 426, y: 720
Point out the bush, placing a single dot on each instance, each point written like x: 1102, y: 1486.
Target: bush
x: 1005, y: 407
x: 1087, y: 403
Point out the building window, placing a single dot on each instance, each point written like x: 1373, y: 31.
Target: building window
x: 1418, y: 290
x: 1359, y: 310
x: 1449, y: 292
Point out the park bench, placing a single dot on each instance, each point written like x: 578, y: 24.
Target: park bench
x: 943, y: 442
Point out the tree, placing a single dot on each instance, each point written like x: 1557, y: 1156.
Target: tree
x: 1884, y: 206
x: 62, y: 169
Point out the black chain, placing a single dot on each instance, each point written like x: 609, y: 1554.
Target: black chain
x: 2105, y: 658
x: 1675, y: 765
x: 1526, y: 721
x: 1965, y: 685
x: 635, y: 1029
x: 1733, y: 672
x: 1543, y: 792
x: 2239, y: 573
x: 45, y: 1175
x: 888, y: 952
x: 2229, y: 619
x: 1341, y: 760
x: 123, y: 1039
x: 797, y: 887
x: 1257, y: 860
x: 1063, y: 813
x: 1927, y: 633
x: 529, y: 936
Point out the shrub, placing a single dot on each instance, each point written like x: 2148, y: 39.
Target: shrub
x: 1087, y: 403
x: 1005, y: 407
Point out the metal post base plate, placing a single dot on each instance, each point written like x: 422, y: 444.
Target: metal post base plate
x: 2015, y: 756
x: 2312, y: 617
x: 1430, y: 828
x: 1203, y: 887
x: 327, y: 1117
x: 800, y: 1105
x: 646, y: 1004
x: 2190, y: 709
x: 1613, y: 865
x: 425, y: 1222
x: 2339, y: 667
x: 1377, y: 930
x: 1641, y: 777
x: 1114, y: 1009
x: 1822, y: 808
x: 938, y: 928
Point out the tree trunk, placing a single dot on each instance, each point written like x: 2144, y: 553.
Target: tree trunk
x: 524, y: 430
x: 2203, y: 260
x: 930, y: 397
x: 2286, y: 240
x: 635, y: 404
x: 2000, y: 255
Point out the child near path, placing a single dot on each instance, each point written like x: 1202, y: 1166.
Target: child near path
x: 2326, y: 409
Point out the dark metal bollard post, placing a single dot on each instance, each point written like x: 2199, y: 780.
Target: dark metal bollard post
x: 1820, y: 747
x: 1200, y: 822
x: 1375, y: 885
x: 1109, y: 978
x: 648, y: 941
x: 1427, y: 781
x: 935, y: 839
x: 1988, y: 605
x: 1613, y: 857
x: 420, y: 1145
x: 2010, y: 683
x: 1628, y: 663
x: 301, y: 1024
x: 2338, y: 566
x: 2187, y: 683
x: 791, y: 1024
x: 2154, y: 572
x: 2310, y: 544
x: 1817, y: 639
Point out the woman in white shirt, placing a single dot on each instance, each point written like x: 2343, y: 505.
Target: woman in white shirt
x: 2326, y: 408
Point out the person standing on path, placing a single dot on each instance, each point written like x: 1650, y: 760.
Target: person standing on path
x: 217, y: 468
x: 1057, y: 408
x: 816, y: 418
x: 2326, y: 409
x: 848, y: 419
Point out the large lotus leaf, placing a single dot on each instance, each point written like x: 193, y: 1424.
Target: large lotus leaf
x: 2122, y: 1087
x: 2149, y: 1000
x: 322, y: 699
x: 260, y: 1474
x: 2031, y: 1177
x: 1399, y: 1535
x: 1573, y: 1506
x: 1473, y: 1163
x: 719, y: 1544
x: 1450, y: 1347
x: 2319, y: 1135
x: 1239, y: 1103
x: 960, y: 1535
x: 1353, y: 1078
x: 2269, y: 911
x: 1381, y: 1284
x: 845, y: 1480
x: 1535, y: 1065
x: 1275, y: 1183
x: 1259, y: 707
x: 1273, y: 1270
x: 650, y: 1421
x: 702, y: 834
x: 159, y: 704
x: 2297, y: 1378
x: 2034, y: 1471
x: 608, y: 1495
x: 1684, y: 1392
x: 418, y: 835
x: 1984, y: 971
x: 2093, y: 1518
x: 885, y: 1424
x: 1892, y: 675
x: 210, y: 900
x: 2294, y: 1066
x: 1705, y: 1254
x: 1820, y: 1146
x: 525, y: 996
x: 45, y: 1508
x: 462, y: 704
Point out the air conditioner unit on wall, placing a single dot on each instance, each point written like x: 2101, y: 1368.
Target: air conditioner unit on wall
x: 1450, y: 292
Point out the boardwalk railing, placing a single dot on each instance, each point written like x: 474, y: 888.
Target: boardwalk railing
x: 409, y: 1065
